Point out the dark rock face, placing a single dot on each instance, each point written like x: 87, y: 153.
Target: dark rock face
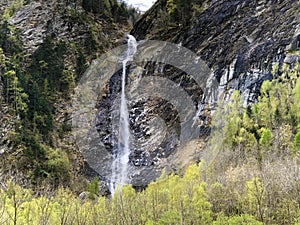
x: 239, y: 40
x: 163, y: 101
x: 151, y: 145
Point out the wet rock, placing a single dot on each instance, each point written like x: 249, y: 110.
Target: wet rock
x: 83, y: 196
x: 154, y: 124
x: 291, y: 59
x: 103, y: 189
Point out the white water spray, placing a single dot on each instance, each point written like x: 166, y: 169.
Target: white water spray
x: 119, y: 175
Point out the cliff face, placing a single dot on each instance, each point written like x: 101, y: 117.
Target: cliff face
x: 53, y: 43
x: 239, y: 40
x: 242, y: 42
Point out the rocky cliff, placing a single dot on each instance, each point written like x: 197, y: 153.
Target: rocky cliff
x: 239, y: 40
x: 242, y: 42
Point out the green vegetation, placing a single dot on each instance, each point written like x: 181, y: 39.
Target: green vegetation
x: 93, y: 188
x: 31, y: 93
x: 253, y: 180
x: 173, y: 16
x: 118, y: 10
x: 271, y: 124
x: 258, y: 159
x: 37, y: 87
x: 181, y: 11
x: 170, y: 200
x: 10, y: 11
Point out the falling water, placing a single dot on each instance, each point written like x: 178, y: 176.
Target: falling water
x: 121, y: 157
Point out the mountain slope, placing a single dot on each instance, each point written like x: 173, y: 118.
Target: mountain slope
x: 45, y: 47
x: 239, y: 40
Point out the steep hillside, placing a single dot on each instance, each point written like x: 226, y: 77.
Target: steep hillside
x: 45, y: 48
x: 197, y: 122
x: 243, y: 42
x: 239, y: 40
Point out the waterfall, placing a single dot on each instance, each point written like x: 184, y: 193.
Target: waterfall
x: 121, y: 157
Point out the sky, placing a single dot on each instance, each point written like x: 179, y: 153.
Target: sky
x: 143, y: 5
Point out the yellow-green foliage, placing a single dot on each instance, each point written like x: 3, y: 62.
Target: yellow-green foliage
x: 266, y: 138
x: 234, y: 113
x: 58, y: 165
x: 271, y: 124
x: 297, y: 142
x: 171, y: 7
x: 93, y: 188
x: 170, y: 200
x: 254, y: 198
x: 243, y: 219
x: 2, y: 58
x: 296, y: 95
x: 173, y: 200
x: 10, y: 11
